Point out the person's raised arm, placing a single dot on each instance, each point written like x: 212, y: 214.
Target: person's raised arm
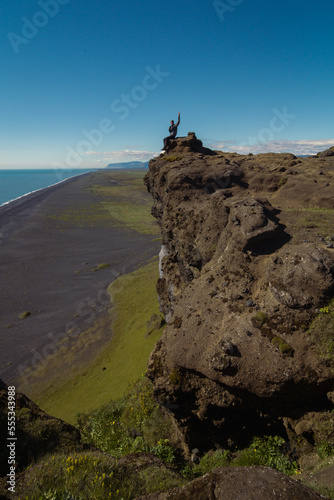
x: 178, y: 121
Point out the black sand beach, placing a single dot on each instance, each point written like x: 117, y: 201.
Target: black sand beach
x: 47, y: 265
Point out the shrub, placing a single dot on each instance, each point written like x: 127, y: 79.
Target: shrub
x: 325, y: 450
x: 268, y: 451
x: 134, y: 423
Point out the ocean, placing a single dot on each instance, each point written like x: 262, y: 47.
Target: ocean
x: 17, y: 183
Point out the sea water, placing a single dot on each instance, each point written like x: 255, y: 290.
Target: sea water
x: 17, y: 183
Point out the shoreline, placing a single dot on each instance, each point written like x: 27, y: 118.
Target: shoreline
x: 50, y: 267
x: 13, y: 207
x: 45, y: 187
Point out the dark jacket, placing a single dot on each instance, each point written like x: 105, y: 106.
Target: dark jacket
x: 173, y: 128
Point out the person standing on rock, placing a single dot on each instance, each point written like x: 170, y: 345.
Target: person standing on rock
x: 172, y: 131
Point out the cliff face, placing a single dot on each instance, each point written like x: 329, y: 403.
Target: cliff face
x: 247, y: 261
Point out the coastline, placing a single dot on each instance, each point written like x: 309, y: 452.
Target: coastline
x: 45, y: 187
x: 50, y: 268
x: 13, y: 207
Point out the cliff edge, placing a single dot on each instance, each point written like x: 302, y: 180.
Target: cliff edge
x: 246, y: 284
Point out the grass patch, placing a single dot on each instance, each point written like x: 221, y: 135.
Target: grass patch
x: 85, y: 476
x: 133, y: 423
x: 91, y: 215
x: 124, y: 359
x: 124, y: 197
x: 121, y: 199
x: 322, y: 331
x: 317, y: 218
x: 135, y: 216
x: 208, y: 462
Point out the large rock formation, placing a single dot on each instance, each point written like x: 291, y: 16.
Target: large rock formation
x: 247, y: 261
x: 239, y: 483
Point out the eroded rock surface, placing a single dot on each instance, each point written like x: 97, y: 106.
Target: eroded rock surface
x: 246, y: 264
x: 239, y: 483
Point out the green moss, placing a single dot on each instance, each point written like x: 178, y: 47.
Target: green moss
x: 125, y: 357
x: 173, y: 158
x: 282, y: 181
x: 121, y: 199
x: 101, y: 266
x: 138, y: 217
x: 259, y: 319
x: 285, y: 348
x: 322, y: 331
x: 175, y: 377
x: 25, y: 314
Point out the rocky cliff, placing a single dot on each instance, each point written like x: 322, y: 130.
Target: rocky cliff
x: 246, y: 282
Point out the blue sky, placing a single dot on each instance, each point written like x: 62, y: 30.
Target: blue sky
x: 94, y: 82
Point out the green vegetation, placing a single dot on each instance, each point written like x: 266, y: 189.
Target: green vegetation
x: 125, y: 357
x: 133, y: 215
x: 317, y: 218
x: 322, y: 331
x: 88, y: 215
x: 101, y: 266
x: 125, y: 199
x: 326, y: 491
x: 134, y: 423
x: 285, y: 348
x: 259, y: 319
x: 173, y: 158
x: 121, y: 200
x: 325, y: 450
x: 83, y: 476
x: 282, y: 181
x: 269, y: 451
x: 120, y: 439
x: 208, y: 462
x: 25, y: 314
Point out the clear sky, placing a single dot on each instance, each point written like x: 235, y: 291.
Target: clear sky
x: 91, y: 82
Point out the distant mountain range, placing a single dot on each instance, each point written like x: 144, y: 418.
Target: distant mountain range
x: 130, y: 164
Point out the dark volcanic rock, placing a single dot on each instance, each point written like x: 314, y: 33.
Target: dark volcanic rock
x: 327, y: 152
x: 239, y: 483
x: 188, y: 144
x: 243, y: 272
